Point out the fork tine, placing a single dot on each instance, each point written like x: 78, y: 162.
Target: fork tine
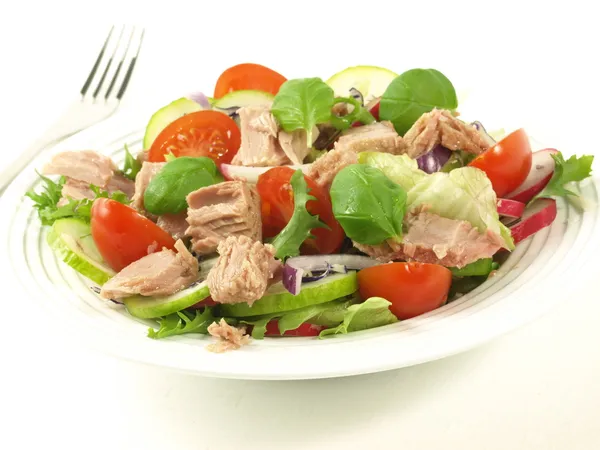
x: 97, y: 63
x: 131, y: 67
x: 118, y: 71
x: 101, y: 82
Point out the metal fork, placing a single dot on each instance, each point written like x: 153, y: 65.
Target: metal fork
x: 95, y: 105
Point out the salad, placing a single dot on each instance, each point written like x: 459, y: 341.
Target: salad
x: 301, y: 207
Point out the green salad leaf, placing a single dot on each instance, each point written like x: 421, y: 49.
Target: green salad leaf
x: 413, y: 93
x: 368, y: 205
x: 183, y: 323
x: 373, y: 312
x: 566, y: 171
x: 401, y: 169
x: 458, y: 159
x: 288, y: 241
x: 131, y: 166
x: 167, y: 191
x: 45, y: 202
x: 463, y: 194
x: 481, y: 267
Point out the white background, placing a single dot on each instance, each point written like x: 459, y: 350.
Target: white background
x: 536, y: 388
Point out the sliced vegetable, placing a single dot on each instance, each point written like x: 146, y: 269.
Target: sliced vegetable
x: 463, y: 194
x: 368, y: 205
x: 183, y: 323
x: 401, y: 169
x: 158, y: 306
x: 510, y: 208
x: 481, y: 267
x: 278, y: 299
x: 295, y: 269
x: 572, y: 170
x: 201, y: 133
x: 412, y: 288
x: 251, y: 174
x: 166, y: 115
x: 370, y: 81
x: 373, y: 312
x: 278, y: 205
x: 238, y: 99
x: 167, y: 191
x: 72, y: 242
x: 507, y: 163
x: 434, y: 160
x: 248, y: 76
x: 414, y: 93
x: 131, y: 166
x: 542, y: 168
x: 288, y: 241
x: 538, y: 215
x: 201, y: 99
x: 123, y: 236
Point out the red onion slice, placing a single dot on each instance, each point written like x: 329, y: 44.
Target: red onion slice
x: 434, y: 160
x: 201, y: 99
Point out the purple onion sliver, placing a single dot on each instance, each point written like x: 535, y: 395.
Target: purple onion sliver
x: 483, y: 133
x: 201, y: 99
x: 317, y: 275
x: 292, y: 279
x: 434, y: 160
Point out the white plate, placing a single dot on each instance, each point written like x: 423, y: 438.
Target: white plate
x: 536, y: 275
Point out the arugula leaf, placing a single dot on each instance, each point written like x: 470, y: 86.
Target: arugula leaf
x: 373, y: 312
x: 368, y: 205
x: 45, y: 202
x: 131, y: 166
x: 183, y: 323
x: 167, y: 191
x: 288, y: 241
x: 303, y: 103
x: 414, y: 93
x: 573, y: 169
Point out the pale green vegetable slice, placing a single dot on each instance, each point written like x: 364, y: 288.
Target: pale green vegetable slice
x: 151, y: 307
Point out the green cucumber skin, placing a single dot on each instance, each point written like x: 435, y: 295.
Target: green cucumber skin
x: 167, y: 114
x: 152, y: 307
x: 284, y: 301
x: 243, y: 98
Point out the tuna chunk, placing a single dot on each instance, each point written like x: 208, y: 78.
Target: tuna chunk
x: 121, y: 183
x: 83, y: 165
x: 243, y: 270
x: 259, y: 146
x: 160, y: 273
x: 437, y: 240
x: 376, y: 137
x: 324, y: 169
x: 441, y: 127
x: 174, y: 224
x: 294, y: 144
x: 230, y: 338
x: 231, y: 208
x: 142, y: 179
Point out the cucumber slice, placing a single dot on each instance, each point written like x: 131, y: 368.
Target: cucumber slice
x: 371, y: 81
x: 72, y: 241
x: 151, y: 307
x: 243, y: 98
x: 278, y: 299
x: 164, y: 116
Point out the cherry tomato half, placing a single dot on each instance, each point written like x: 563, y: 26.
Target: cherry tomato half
x: 412, y: 288
x: 507, y: 163
x: 248, y: 76
x: 201, y: 133
x: 123, y: 235
x: 277, y: 207
x: 306, y: 329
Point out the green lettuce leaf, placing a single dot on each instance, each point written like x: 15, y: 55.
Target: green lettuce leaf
x: 288, y: 241
x: 183, y: 323
x: 401, y: 169
x: 463, y: 194
x: 373, y: 312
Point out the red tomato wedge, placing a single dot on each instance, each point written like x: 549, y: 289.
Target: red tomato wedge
x: 412, y: 288
x: 306, y: 329
x: 277, y: 207
x: 123, y: 235
x: 248, y: 76
x: 507, y: 163
x: 201, y: 133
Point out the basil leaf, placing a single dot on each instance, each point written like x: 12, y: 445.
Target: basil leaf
x: 167, y: 191
x: 414, y: 93
x: 367, y: 204
x: 302, y: 104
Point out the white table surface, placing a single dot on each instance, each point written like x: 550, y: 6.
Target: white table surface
x: 535, y: 388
